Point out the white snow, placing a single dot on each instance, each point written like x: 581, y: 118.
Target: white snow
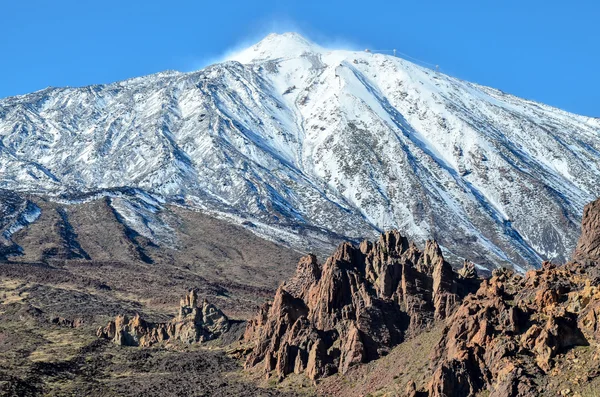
x: 304, y: 141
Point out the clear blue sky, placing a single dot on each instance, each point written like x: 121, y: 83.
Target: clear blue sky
x: 548, y: 51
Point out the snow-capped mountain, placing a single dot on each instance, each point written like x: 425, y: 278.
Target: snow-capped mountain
x: 293, y: 138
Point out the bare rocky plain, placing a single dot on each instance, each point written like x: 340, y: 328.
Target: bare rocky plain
x: 81, y: 267
x: 90, y: 308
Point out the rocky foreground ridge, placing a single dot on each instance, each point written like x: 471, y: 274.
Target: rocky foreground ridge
x: 356, y: 307
x: 193, y: 324
x: 505, y: 338
x: 502, y: 335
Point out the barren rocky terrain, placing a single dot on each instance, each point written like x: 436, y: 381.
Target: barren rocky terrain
x: 532, y: 334
x: 90, y: 308
x: 86, y: 245
x: 80, y: 266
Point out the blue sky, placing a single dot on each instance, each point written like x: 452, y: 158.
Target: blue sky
x: 548, y: 51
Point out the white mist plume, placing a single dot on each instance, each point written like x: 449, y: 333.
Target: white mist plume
x: 278, y: 25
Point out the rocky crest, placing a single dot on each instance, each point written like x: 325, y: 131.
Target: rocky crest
x: 506, y: 337
x: 509, y: 335
x: 193, y: 324
x: 357, y: 306
x: 588, y: 246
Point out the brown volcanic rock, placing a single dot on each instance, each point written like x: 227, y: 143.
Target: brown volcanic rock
x: 357, y: 306
x: 193, y: 324
x: 256, y: 323
x: 69, y: 323
x: 468, y: 270
x: 587, y: 303
x: 411, y: 390
x: 510, y: 332
x: 444, y: 288
x: 468, y: 352
x: 588, y: 246
x: 516, y: 336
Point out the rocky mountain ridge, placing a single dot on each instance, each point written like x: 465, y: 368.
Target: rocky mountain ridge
x: 356, y: 307
x: 505, y: 336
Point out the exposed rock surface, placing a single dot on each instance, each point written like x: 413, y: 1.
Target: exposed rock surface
x: 507, y: 336
x: 588, y: 246
x: 357, y: 306
x: 468, y: 270
x: 193, y: 324
x: 66, y: 322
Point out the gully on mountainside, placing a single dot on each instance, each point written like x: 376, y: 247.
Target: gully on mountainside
x: 364, y: 142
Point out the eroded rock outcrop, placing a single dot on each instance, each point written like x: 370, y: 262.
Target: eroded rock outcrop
x: 468, y: 270
x: 588, y: 246
x: 194, y: 323
x: 66, y: 322
x: 357, y: 306
x: 507, y: 336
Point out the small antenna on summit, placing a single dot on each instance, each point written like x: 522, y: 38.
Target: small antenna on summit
x: 394, y: 52
x: 437, y: 68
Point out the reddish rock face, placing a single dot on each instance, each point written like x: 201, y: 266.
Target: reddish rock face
x: 363, y: 301
x: 510, y: 331
x: 588, y: 246
x: 193, y: 324
x: 501, y: 334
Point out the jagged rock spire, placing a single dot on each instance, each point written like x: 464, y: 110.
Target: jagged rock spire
x: 363, y: 300
x: 468, y: 270
x: 588, y: 246
x: 192, y: 324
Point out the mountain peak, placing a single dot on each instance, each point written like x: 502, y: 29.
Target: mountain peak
x: 275, y: 46
x: 317, y: 145
x: 289, y: 36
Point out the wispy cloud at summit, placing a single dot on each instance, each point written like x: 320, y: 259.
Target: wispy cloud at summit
x: 275, y: 25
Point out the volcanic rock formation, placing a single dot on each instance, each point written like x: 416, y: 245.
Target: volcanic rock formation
x: 588, y: 246
x: 357, y: 306
x: 504, y: 335
x: 193, y: 324
x: 509, y: 333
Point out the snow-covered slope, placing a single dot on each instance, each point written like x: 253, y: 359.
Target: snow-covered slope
x: 313, y: 142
